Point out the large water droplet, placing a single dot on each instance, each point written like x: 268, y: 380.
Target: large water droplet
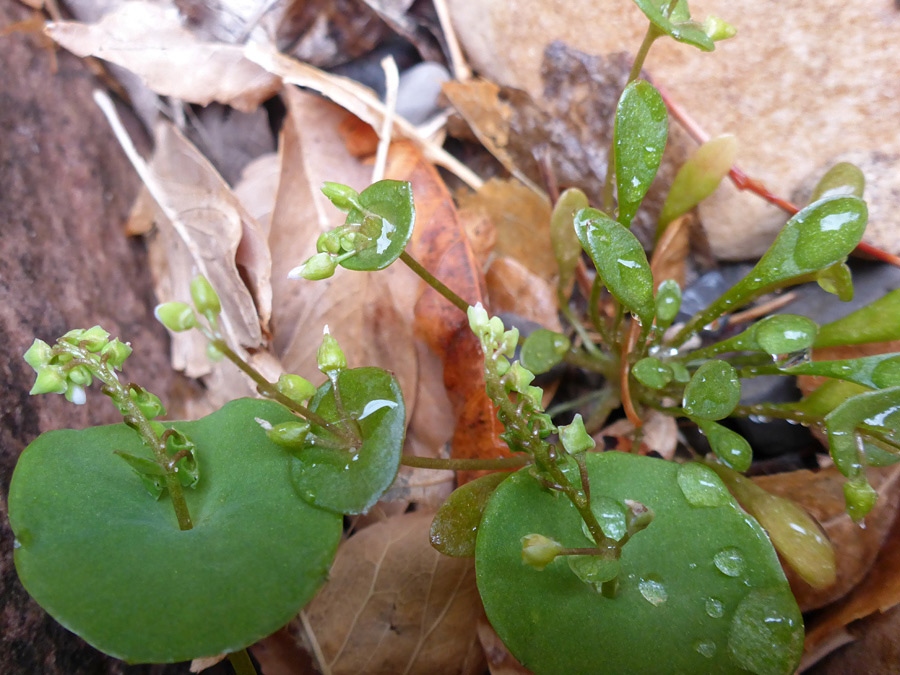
x: 766, y: 635
x: 730, y: 561
x: 705, y: 648
x: 701, y: 486
x: 653, y: 591
x: 17, y: 543
x: 715, y: 608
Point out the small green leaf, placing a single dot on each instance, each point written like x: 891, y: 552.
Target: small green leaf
x: 653, y: 373
x: 455, y: 524
x: 575, y: 438
x: 543, y: 349
x: 713, y: 392
x: 679, y: 25
x: 176, y: 316
x: 729, y: 446
x: 205, y: 298
x: 342, y: 196
x: 837, y: 280
x: 879, y: 371
x: 113, y: 567
x: 876, y: 322
x: 879, y: 409
x: 346, y: 481
x: 668, y: 302
x: 641, y: 129
x: 698, y: 178
x: 842, y: 180
x: 785, y: 333
x: 566, y: 247
x: 620, y: 261
x: 860, y: 497
x: 391, y: 214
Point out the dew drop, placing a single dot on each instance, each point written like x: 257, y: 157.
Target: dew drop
x: 17, y: 543
x: 766, y: 634
x: 701, y: 486
x: 653, y: 591
x: 309, y: 495
x: 705, y: 648
x: 715, y: 608
x: 729, y: 561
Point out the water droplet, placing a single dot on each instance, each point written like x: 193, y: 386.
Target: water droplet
x: 766, y: 635
x: 653, y: 591
x: 17, y: 543
x: 692, y: 566
x: 701, y: 486
x: 705, y: 648
x: 309, y: 495
x: 730, y: 561
x: 715, y: 608
x: 376, y: 405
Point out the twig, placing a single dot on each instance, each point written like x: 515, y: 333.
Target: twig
x: 461, y: 70
x: 391, y: 84
x: 763, y: 309
x: 324, y: 666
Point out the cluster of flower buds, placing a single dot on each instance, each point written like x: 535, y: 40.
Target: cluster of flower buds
x: 70, y: 366
x: 180, y: 316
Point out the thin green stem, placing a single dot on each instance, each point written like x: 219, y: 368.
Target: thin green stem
x: 594, y: 313
x: 434, y: 282
x: 579, y: 328
x: 241, y: 663
x: 440, y: 463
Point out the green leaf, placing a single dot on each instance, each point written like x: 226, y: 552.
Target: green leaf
x: 729, y: 446
x: 698, y: 178
x: 455, y: 524
x: 641, y: 129
x: 679, y: 25
x: 876, y: 322
x: 842, y: 180
x: 668, y: 302
x: 111, y: 565
x: 543, y: 349
x: 785, y: 334
x: 879, y: 409
x: 351, y: 482
x: 566, y: 247
x: 713, y: 392
x: 620, y: 261
x: 878, y: 371
x: 837, y: 280
x: 391, y: 216
x: 668, y: 577
x: 653, y: 373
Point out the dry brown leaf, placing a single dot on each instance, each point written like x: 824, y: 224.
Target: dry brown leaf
x: 279, y: 654
x: 395, y: 605
x: 499, y: 659
x: 659, y: 434
x: 521, y: 218
x: 480, y: 232
x: 148, y: 39
x: 821, y: 494
x: 369, y: 314
x: 513, y: 288
x: 258, y: 187
x: 670, y: 252
x: 199, y: 665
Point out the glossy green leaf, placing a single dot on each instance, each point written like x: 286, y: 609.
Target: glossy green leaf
x: 388, y: 222
x: 668, y: 577
x: 842, y: 180
x: 455, y: 525
x: 698, y: 178
x: 351, y: 482
x: 713, y: 392
x: 876, y: 322
x: 678, y: 25
x: 785, y: 333
x: 641, y: 129
x: 878, y: 371
x: 879, y: 409
x: 543, y: 349
x: 653, y: 373
x: 827, y: 397
x: 620, y: 261
x: 566, y: 247
x: 111, y: 565
x: 729, y: 446
x: 837, y: 280
x: 668, y: 302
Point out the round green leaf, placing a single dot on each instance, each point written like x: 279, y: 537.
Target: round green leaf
x: 554, y: 622
x: 620, y: 261
x: 729, y: 446
x: 713, y: 391
x: 651, y: 372
x: 455, y: 524
x: 668, y: 302
x: 785, y: 333
x: 678, y: 25
x: 842, y: 180
x: 110, y: 564
x: 343, y: 481
x: 543, y: 349
x: 641, y: 129
x: 392, y: 201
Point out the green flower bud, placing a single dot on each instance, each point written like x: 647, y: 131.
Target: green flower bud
x: 330, y: 356
x: 49, y: 380
x: 94, y: 339
x: 116, y: 352
x: 38, y: 354
x: 81, y: 376
x: 860, y: 497
x: 478, y: 319
x: 508, y: 342
x: 535, y: 395
x: 718, y: 29
x: 354, y: 241
x: 320, y: 266
x: 342, y: 196
x: 205, y: 298
x: 519, y: 378
x: 148, y: 403
x: 296, y: 388
x: 329, y: 242
x: 496, y: 330
x: 75, y: 394
x: 638, y: 516
x: 575, y: 438
x: 289, y: 434
x: 176, y: 316
x: 539, y: 551
x: 502, y: 365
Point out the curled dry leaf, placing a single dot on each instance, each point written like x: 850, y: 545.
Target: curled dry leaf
x: 395, y: 605
x: 148, y: 39
x: 369, y: 314
x: 821, y: 494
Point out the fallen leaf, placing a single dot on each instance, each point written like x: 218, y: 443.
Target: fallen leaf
x: 199, y: 665
x: 856, y: 548
x: 395, y: 605
x: 370, y: 314
x: 148, y: 39
x: 873, y: 649
x: 514, y: 288
x: 257, y: 188
x: 499, y: 659
x: 670, y: 253
x: 659, y: 434
x: 480, y: 232
x: 279, y: 654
